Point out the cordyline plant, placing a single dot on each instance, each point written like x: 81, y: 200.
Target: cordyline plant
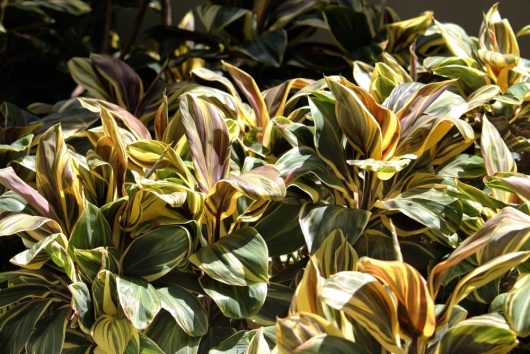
x: 202, y: 213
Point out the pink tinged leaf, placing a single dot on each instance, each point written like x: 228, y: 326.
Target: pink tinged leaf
x: 10, y: 180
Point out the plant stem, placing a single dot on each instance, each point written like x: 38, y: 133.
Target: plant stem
x: 136, y: 29
x: 106, y: 27
x: 166, y: 12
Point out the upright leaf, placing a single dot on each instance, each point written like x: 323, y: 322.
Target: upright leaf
x: 57, y: 178
x: 91, y: 230
x: 208, y: 139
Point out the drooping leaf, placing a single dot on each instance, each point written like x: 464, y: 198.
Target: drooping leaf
x: 37, y: 226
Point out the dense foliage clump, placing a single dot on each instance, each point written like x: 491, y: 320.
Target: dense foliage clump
x: 302, y: 176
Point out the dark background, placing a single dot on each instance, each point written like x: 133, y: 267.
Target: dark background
x: 466, y: 13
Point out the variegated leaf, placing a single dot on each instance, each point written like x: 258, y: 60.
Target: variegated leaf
x: 57, y: 178
x: 239, y: 259
x: 415, y: 304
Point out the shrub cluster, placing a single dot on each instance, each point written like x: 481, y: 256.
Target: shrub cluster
x: 301, y: 177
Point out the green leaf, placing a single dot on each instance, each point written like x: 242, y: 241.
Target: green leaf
x: 20, y: 319
x: 90, y: 262
x: 343, y: 21
x: 139, y: 300
x: 328, y: 137
x: 157, y: 252
x: 285, y: 239
x: 276, y: 305
x: 169, y: 337
x: 481, y: 276
x: 82, y: 303
x: 49, y: 335
x: 240, y: 258
x: 185, y: 309
x: 216, y: 17
x: 318, y: 221
x: 403, y: 33
x: 140, y: 343
x: 91, y: 230
x: 335, y: 255
x: 482, y: 95
x: 480, y: 334
x: 268, y: 49
x: 516, y: 183
x: 12, y: 294
x: 34, y: 257
x: 517, y: 306
x: 359, y: 115
x: 329, y: 344
x: 235, y: 301
x: 430, y: 207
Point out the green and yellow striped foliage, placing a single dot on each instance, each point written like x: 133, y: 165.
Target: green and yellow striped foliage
x: 382, y: 207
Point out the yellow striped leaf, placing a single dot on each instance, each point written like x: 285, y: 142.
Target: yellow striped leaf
x: 498, y: 227
x: 415, y: 304
x: 57, y: 178
x: 112, y: 334
x: 481, y: 276
x: 517, y: 308
x: 248, y: 86
x: 371, y: 129
x: 480, y: 334
x: 365, y: 299
x: 208, y: 140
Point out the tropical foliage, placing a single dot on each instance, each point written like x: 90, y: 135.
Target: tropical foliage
x: 201, y: 199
